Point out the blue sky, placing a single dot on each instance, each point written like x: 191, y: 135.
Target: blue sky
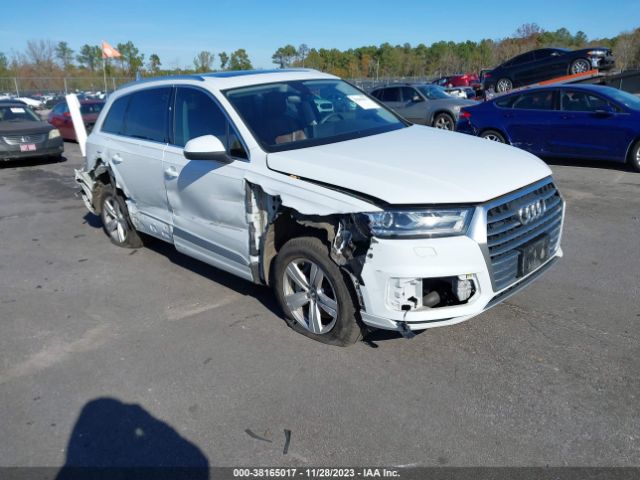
x: 176, y: 30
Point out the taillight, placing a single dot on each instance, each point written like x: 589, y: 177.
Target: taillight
x: 464, y: 114
x: 486, y: 75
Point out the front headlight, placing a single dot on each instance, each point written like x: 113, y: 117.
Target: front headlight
x: 55, y: 133
x: 433, y: 222
x: 599, y: 53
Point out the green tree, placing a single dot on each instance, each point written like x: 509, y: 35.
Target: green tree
x: 303, y: 51
x: 284, y: 56
x: 4, y: 63
x: 131, y: 60
x: 239, y: 60
x: 203, y: 61
x: 224, y: 59
x: 64, y: 54
x: 154, y: 63
x: 90, y: 57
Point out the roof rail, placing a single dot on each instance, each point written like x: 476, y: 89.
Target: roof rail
x: 185, y: 76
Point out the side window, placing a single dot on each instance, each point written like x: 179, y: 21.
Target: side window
x: 524, y: 58
x: 506, y: 102
x: 197, y: 114
x: 542, y: 54
x: 408, y: 93
x: 377, y: 94
x: 535, y: 101
x: 147, y: 114
x: 581, y: 102
x: 390, y: 95
x: 114, y: 123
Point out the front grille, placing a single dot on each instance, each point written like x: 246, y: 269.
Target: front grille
x: 22, y: 139
x: 507, y: 234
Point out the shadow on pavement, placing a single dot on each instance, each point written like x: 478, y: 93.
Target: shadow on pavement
x: 115, y: 440
x: 31, y: 162
x: 263, y: 294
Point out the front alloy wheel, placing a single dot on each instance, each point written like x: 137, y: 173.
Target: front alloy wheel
x: 316, y: 296
x: 310, y: 296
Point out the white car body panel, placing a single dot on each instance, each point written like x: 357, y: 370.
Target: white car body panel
x: 202, y: 207
x: 416, y: 165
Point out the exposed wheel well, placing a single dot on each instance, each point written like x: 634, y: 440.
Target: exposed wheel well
x: 287, y: 226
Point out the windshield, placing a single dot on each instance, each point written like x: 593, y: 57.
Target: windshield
x: 17, y: 114
x: 298, y: 114
x: 433, y: 92
x: 625, y: 98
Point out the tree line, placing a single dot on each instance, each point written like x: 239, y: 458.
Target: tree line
x: 45, y: 58
x: 445, y: 58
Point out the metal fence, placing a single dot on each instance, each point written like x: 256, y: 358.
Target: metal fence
x: 21, y: 86
x: 44, y: 85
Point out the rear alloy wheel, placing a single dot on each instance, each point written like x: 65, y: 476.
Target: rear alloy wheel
x: 504, y: 85
x: 634, y: 158
x: 493, y: 136
x: 444, y: 121
x: 115, y: 219
x: 580, y: 65
x: 313, y: 293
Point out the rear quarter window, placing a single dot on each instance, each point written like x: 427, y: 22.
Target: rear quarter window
x: 114, y: 123
x: 146, y: 116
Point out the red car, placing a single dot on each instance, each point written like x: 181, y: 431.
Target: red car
x: 60, y: 117
x: 463, y: 80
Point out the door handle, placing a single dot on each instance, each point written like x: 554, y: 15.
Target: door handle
x: 171, y: 172
x: 116, y: 159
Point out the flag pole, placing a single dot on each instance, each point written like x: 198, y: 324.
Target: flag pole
x: 104, y: 72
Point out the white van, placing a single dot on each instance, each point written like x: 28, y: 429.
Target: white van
x: 354, y: 216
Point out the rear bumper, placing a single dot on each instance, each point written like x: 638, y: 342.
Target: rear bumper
x: 50, y: 148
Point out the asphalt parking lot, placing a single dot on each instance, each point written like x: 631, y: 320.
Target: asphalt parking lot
x: 137, y: 357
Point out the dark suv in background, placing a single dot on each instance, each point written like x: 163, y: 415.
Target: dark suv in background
x: 544, y: 64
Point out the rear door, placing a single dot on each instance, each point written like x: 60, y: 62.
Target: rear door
x: 207, y: 197
x: 587, y: 131
x: 136, y: 131
x: 530, y: 120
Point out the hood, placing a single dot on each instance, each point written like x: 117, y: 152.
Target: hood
x: 416, y: 165
x: 24, y: 127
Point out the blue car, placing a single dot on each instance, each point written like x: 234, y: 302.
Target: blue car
x: 574, y: 121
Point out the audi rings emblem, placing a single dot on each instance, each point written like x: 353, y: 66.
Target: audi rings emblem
x: 531, y: 212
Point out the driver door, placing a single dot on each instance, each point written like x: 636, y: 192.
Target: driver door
x: 207, y: 197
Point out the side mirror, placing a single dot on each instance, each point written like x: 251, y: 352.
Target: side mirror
x: 206, y: 147
x: 416, y: 99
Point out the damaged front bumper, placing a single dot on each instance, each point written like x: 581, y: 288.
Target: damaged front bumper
x: 389, y: 262
x: 414, y: 284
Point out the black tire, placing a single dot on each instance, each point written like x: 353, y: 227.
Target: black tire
x: 114, y: 209
x: 346, y: 330
x: 494, y: 136
x: 504, y: 85
x: 444, y: 121
x: 634, y: 157
x: 579, y: 65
